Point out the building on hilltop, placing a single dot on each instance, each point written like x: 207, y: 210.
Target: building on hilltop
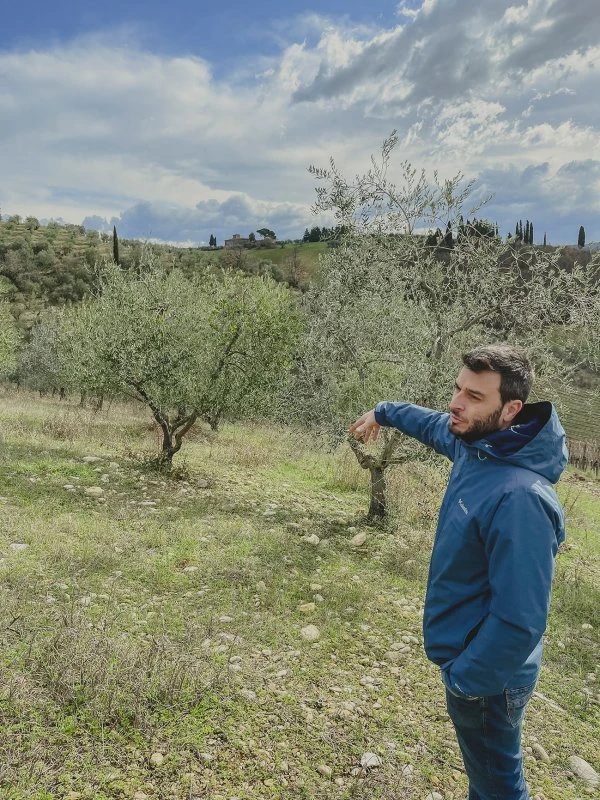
x: 237, y: 241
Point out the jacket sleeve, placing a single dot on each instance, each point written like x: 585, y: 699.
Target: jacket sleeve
x: 520, y: 547
x: 429, y: 427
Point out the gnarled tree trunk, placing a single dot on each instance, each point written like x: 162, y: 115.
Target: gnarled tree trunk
x: 377, y: 466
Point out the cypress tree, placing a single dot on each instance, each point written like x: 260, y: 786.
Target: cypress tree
x: 526, y: 231
x: 448, y: 239
x: 531, y: 233
x: 115, y: 245
x: 544, y: 238
x: 517, y: 231
x: 581, y: 237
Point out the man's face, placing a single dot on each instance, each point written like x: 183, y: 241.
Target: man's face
x: 476, y: 407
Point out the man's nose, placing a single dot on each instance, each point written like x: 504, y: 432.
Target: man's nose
x: 456, y: 404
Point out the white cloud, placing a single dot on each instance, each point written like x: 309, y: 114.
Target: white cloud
x: 501, y: 90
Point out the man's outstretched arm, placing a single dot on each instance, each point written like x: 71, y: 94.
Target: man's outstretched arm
x: 427, y: 426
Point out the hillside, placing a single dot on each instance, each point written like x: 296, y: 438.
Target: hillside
x: 53, y: 264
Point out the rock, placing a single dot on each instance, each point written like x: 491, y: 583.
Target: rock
x: 261, y: 586
x: 358, y: 540
x: 307, y: 608
x: 310, y: 633
x: 18, y: 547
x: 393, y: 656
x: 190, y: 569
x: 587, y: 627
x: 202, y: 483
x: 370, y: 761
x: 94, y: 491
x: 156, y: 759
x: 225, y: 618
x: 68, y: 486
x: 315, y: 587
x: 140, y: 796
x: 249, y: 695
x: 312, y: 539
x: 434, y: 796
x: 91, y: 459
x: 324, y: 770
x: 583, y: 770
x: 401, y: 647
x: 539, y: 752
x: 207, y: 758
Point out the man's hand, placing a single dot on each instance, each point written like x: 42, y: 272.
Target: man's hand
x: 365, y: 427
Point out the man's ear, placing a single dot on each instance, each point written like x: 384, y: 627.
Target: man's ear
x: 511, y: 409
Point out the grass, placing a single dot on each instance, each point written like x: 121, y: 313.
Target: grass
x: 165, y: 617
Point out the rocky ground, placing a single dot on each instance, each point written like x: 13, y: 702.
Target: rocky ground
x: 239, y: 631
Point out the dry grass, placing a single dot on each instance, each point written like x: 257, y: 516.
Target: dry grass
x: 165, y: 617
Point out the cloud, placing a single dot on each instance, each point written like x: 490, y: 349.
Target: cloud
x: 502, y: 91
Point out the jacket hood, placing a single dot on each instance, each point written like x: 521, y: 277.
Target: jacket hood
x: 535, y: 441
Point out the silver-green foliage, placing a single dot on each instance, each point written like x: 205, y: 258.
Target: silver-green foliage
x: 392, y: 311
x: 9, y: 341
x: 208, y: 347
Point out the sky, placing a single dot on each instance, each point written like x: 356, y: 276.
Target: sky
x: 179, y: 120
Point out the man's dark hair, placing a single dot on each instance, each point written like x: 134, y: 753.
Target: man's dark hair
x: 516, y: 372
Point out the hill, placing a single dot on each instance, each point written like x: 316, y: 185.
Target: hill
x: 42, y: 265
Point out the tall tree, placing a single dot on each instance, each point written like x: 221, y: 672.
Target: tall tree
x: 115, y: 245
x: 531, y: 233
x: 448, y: 238
x: 581, y: 237
x: 527, y: 232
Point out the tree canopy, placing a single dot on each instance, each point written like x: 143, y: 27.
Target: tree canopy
x: 392, y: 313
x: 190, y: 349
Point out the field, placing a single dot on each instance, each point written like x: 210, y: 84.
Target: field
x: 151, y: 629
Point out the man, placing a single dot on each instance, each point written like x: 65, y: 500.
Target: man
x: 499, y: 528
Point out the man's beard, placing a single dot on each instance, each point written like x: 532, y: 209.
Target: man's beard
x: 480, y: 427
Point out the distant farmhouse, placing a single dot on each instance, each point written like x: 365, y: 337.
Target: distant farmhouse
x: 240, y: 242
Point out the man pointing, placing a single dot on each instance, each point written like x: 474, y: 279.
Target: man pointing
x: 499, y: 528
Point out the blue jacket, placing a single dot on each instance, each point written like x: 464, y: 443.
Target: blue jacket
x: 499, y: 528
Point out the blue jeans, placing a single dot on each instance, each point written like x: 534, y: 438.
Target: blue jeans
x: 488, y: 730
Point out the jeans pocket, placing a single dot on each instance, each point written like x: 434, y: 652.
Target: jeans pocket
x: 516, y: 702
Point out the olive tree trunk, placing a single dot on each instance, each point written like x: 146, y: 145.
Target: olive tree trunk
x: 377, y: 466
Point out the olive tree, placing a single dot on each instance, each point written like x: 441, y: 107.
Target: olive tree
x: 189, y: 349
x: 9, y: 341
x: 394, y: 308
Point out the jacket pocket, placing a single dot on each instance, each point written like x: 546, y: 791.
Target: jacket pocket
x: 516, y: 701
x: 472, y: 634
